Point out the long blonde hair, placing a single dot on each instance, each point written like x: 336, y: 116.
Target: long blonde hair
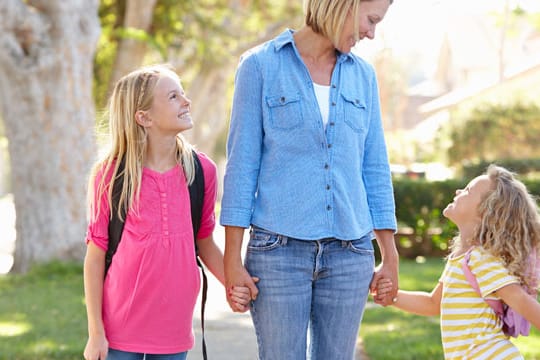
x: 510, y: 225
x: 133, y: 92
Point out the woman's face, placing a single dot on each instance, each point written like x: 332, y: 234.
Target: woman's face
x: 370, y: 13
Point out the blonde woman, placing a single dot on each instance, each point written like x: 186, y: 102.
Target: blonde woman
x: 143, y: 307
x: 499, y: 231
x: 308, y: 172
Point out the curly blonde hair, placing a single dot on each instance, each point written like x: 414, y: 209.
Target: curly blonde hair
x: 510, y: 225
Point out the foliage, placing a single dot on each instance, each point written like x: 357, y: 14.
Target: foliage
x: 494, y: 131
x: 388, y: 331
x: 520, y: 166
x: 194, y: 35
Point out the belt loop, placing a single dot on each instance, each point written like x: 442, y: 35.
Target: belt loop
x: 283, y: 239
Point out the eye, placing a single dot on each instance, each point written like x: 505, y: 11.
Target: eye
x: 173, y: 96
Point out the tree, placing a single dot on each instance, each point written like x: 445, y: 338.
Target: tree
x: 48, y: 111
x: 201, y: 39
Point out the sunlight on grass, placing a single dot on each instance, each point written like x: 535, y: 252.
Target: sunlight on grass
x: 10, y: 328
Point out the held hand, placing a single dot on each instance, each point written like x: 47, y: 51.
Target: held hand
x: 383, y: 274
x: 241, y: 297
x: 240, y: 287
x: 97, y: 348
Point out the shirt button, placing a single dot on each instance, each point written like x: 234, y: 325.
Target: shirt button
x: 326, y: 166
x: 163, y: 195
x: 329, y: 146
x: 328, y: 207
x: 166, y: 233
x: 333, y: 103
x: 327, y: 187
x: 333, y: 86
x: 332, y: 123
x: 282, y: 99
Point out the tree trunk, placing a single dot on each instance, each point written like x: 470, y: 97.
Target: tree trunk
x: 130, y: 53
x: 47, y: 106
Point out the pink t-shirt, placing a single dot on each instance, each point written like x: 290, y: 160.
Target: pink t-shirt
x: 152, y: 285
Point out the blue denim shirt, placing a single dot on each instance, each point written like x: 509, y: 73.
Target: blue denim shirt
x: 288, y: 174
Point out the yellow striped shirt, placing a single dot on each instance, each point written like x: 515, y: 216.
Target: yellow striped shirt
x: 469, y: 327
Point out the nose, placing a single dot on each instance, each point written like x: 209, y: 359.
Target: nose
x: 186, y: 100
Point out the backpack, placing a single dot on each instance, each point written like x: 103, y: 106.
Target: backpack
x: 514, y: 324
x: 196, y: 197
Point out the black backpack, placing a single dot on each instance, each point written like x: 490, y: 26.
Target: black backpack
x: 196, y: 197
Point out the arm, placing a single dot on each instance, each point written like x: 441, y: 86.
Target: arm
x: 389, y: 267
x: 94, y: 268
x: 516, y: 297
x: 235, y: 273
x: 420, y: 302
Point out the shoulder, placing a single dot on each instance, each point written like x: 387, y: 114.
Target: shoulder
x: 360, y: 64
x: 266, y: 51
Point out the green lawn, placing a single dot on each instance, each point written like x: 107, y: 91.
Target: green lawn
x: 42, y: 316
x: 390, y: 334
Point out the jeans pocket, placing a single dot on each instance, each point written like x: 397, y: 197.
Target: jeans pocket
x: 360, y: 246
x: 263, y: 241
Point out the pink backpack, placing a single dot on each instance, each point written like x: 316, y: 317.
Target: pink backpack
x: 513, y: 323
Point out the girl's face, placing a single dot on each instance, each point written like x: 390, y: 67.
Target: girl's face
x: 370, y: 14
x: 170, y: 111
x: 464, y: 208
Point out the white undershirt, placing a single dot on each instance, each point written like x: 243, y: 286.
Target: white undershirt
x: 322, y: 93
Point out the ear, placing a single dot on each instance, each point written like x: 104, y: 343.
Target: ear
x: 142, y: 118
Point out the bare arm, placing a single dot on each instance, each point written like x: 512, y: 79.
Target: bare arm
x: 212, y: 257
x: 94, y: 268
x: 420, y: 302
x: 389, y: 267
x: 235, y: 273
x: 527, y: 306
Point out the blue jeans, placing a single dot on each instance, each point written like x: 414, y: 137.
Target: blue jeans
x: 318, y: 288
x: 124, y: 355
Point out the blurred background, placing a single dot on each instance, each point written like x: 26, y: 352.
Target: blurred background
x: 458, y: 83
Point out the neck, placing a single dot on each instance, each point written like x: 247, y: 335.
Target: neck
x: 161, y: 155
x: 313, y: 46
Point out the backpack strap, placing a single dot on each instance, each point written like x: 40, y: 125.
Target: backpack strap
x: 196, y: 197
x: 496, y: 305
x: 116, y: 224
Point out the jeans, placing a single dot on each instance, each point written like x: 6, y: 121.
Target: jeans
x: 318, y: 288
x: 124, y: 355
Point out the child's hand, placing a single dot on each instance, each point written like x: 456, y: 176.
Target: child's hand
x: 383, y: 289
x: 241, y: 297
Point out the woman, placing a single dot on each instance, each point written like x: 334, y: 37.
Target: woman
x: 308, y: 172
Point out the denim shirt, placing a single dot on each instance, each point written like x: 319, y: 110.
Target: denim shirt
x: 288, y: 174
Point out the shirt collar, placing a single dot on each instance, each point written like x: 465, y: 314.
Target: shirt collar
x: 286, y: 37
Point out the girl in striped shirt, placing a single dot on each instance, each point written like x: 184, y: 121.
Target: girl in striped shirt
x: 499, y: 225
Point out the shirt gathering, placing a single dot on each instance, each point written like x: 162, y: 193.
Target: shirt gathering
x: 151, y: 288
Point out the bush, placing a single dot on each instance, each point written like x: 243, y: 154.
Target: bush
x: 423, y: 230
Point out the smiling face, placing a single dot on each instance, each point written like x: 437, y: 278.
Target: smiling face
x: 464, y: 209
x: 370, y: 13
x: 170, y: 110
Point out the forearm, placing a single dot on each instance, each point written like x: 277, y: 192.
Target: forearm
x: 387, y: 246
x: 233, y: 245
x: 417, y: 302
x: 212, y: 257
x: 515, y: 296
x: 94, y: 267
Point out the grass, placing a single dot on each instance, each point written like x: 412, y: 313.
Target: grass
x: 390, y: 334
x: 42, y: 316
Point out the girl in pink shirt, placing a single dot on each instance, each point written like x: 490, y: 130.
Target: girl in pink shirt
x: 143, y: 306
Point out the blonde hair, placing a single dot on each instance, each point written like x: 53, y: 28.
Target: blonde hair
x: 133, y: 92
x: 327, y: 17
x: 510, y: 225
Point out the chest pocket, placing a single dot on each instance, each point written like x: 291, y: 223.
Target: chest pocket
x: 355, y: 112
x: 285, y: 111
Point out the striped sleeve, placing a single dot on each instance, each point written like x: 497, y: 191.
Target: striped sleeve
x: 490, y: 272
